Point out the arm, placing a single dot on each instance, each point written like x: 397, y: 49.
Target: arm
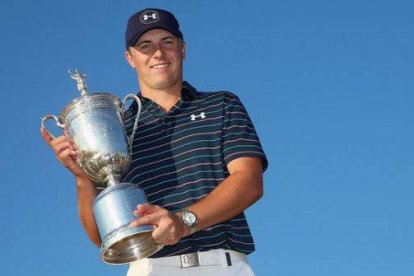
x: 242, y: 188
x: 238, y: 191
x: 85, y: 188
x: 86, y: 195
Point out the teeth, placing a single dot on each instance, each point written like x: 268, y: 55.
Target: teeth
x: 160, y: 66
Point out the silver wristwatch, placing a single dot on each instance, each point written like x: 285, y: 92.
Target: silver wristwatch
x: 189, y: 219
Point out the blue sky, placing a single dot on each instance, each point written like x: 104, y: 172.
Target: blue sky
x: 328, y: 84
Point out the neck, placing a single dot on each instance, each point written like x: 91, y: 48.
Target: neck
x: 166, y: 98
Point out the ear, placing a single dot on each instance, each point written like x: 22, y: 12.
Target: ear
x: 183, y: 49
x: 129, y: 58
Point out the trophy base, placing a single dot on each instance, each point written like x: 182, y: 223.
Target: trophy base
x: 129, y: 249
x: 114, y: 210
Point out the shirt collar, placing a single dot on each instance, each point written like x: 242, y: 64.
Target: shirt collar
x: 188, y: 92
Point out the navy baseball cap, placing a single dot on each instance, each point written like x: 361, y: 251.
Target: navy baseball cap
x: 148, y: 19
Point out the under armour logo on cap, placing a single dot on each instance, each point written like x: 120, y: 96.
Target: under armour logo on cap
x: 149, y: 17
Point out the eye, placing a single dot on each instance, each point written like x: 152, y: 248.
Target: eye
x: 168, y: 42
x: 144, y: 46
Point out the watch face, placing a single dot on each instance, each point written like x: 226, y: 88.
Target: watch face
x: 190, y: 218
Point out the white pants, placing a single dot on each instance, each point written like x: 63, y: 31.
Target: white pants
x: 217, y: 262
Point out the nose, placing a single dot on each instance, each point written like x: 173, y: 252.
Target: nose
x: 158, y: 53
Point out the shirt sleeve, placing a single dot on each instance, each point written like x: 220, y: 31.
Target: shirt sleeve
x: 239, y: 135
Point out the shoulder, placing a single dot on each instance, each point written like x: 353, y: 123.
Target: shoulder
x: 223, y: 95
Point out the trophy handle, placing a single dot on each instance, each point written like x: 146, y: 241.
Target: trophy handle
x: 131, y: 137
x: 57, y: 120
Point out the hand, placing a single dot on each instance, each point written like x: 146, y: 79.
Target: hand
x: 64, y: 152
x: 168, y: 227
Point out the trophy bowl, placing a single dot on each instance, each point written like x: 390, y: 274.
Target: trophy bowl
x: 94, y: 124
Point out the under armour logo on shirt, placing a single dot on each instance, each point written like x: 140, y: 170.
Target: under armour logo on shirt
x: 201, y: 116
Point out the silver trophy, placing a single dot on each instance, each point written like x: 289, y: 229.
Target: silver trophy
x: 95, y: 129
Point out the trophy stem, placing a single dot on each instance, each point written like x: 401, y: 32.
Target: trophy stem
x: 112, y: 180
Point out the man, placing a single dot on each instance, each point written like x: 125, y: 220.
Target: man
x: 196, y: 156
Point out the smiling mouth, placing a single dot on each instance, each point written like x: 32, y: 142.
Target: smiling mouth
x: 159, y: 66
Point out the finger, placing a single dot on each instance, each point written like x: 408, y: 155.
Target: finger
x: 66, y: 134
x: 64, y: 145
x: 73, y: 154
x: 145, y: 220
x: 46, y: 135
x: 162, y: 242
x: 164, y: 236
x: 170, y: 241
x: 146, y: 208
x: 66, y: 156
x: 58, y: 140
x: 159, y: 235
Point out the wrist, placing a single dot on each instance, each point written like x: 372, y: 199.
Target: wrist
x: 82, y: 181
x: 190, y: 221
x: 185, y: 229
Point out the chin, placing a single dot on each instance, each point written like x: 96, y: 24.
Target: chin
x: 163, y: 84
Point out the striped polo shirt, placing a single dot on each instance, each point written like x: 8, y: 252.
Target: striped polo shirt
x: 180, y: 156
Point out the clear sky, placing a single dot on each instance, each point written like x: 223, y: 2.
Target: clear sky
x: 329, y: 86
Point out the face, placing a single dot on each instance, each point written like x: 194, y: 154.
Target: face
x: 157, y: 58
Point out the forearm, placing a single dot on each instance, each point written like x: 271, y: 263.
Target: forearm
x: 232, y: 196
x: 86, y: 196
x: 236, y: 193
x: 66, y: 154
